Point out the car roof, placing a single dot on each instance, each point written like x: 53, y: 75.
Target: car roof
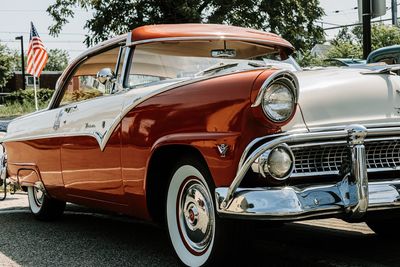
x: 160, y: 32
x: 382, y: 51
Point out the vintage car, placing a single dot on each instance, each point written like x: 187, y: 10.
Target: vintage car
x: 197, y: 125
x: 389, y: 55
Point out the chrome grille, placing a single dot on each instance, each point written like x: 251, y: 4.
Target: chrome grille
x: 329, y: 159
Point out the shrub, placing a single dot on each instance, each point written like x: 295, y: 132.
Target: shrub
x: 28, y: 96
x: 23, y: 101
x: 83, y: 94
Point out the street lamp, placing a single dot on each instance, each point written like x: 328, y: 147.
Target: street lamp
x: 22, y: 60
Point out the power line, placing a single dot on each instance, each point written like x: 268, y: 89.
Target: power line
x: 65, y: 33
x: 44, y: 41
x: 328, y: 23
x: 34, y: 10
x: 354, y: 24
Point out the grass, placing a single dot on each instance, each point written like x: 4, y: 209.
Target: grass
x: 17, y: 109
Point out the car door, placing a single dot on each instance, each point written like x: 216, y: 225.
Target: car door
x: 91, y: 146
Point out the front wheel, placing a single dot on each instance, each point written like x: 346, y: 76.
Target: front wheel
x: 42, y: 206
x: 194, y: 229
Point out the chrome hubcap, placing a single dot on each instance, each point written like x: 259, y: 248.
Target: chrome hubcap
x: 38, y: 195
x: 196, y: 215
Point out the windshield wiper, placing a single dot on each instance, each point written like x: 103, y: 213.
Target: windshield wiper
x: 218, y: 67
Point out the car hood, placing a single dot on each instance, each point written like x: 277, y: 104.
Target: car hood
x: 340, y: 97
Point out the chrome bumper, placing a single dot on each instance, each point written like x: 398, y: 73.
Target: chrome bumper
x: 352, y: 196
x: 290, y: 203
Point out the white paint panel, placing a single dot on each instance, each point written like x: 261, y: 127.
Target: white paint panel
x: 336, y: 97
x: 84, y: 118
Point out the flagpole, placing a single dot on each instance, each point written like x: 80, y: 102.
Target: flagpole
x: 34, y: 88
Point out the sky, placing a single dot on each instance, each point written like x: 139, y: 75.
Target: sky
x: 15, y: 18
x: 16, y: 15
x: 342, y: 12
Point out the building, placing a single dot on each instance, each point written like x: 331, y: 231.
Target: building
x: 48, y: 79
x: 320, y: 50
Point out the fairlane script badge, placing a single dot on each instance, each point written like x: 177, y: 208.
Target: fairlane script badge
x: 88, y: 125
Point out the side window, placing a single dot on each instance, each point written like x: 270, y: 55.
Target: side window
x: 388, y: 60
x: 83, y: 85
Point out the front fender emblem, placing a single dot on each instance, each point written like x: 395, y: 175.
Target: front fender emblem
x: 223, y: 149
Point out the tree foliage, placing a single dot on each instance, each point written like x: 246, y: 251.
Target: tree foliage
x: 345, y: 50
x: 58, y: 60
x: 307, y: 59
x: 293, y: 19
x: 7, y: 65
x: 348, y: 43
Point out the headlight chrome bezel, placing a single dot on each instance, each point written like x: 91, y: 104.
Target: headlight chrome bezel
x: 269, y: 91
x: 283, y: 78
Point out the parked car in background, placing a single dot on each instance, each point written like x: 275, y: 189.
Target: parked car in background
x: 344, y: 62
x: 190, y: 125
x: 389, y: 55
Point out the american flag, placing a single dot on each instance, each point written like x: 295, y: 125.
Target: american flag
x: 37, y: 54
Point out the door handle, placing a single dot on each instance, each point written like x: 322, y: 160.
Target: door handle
x: 71, y: 109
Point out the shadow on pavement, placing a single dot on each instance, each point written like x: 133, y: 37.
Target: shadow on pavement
x: 80, y: 239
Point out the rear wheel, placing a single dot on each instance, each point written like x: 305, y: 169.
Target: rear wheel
x: 195, y: 231
x: 42, y: 206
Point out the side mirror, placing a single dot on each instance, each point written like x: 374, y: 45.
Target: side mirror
x: 106, y: 75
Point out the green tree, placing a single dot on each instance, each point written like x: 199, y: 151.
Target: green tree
x: 348, y: 43
x: 293, y: 19
x: 345, y: 50
x: 7, y: 64
x: 58, y: 60
x: 384, y: 35
x: 306, y: 59
x: 344, y: 35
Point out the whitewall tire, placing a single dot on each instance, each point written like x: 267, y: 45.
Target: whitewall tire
x: 192, y: 222
x: 42, y: 206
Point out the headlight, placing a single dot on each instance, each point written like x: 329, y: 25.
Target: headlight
x: 277, y: 163
x: 278, y: 102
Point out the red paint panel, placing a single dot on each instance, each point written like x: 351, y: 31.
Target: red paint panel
x: 202, y: 115
x: 207, y: 30
x: 43, y: 154
x: 91, y: 173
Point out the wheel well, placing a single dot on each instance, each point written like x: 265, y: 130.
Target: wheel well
x: 161, y: 166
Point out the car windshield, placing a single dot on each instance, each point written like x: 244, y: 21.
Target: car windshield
x: 165, y: 62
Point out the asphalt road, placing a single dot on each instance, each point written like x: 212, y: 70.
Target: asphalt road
x: 86, y: 238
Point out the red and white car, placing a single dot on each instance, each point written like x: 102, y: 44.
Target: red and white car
x: 191, y: 124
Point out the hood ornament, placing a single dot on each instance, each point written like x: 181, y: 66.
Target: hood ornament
x: 223, y: 149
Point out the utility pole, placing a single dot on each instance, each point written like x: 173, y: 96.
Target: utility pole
x: 22, y: 60
x: 394, y: 12
x: 366, y: 20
